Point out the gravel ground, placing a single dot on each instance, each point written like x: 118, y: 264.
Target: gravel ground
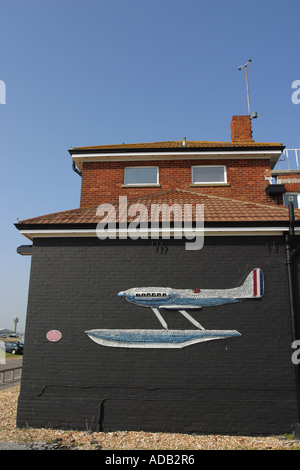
x: 48, y: 439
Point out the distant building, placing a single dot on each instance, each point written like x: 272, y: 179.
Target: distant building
x: 4, y: 331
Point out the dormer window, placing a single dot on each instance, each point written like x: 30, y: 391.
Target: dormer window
x: 141, y: 176
x: 215, y: 174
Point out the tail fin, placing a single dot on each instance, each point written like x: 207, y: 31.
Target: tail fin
x: 253, y: 287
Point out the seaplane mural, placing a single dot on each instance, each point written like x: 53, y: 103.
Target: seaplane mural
x: 181, y: 300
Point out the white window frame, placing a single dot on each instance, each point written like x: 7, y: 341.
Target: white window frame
x: 209, y: 182
x: 141, y: 184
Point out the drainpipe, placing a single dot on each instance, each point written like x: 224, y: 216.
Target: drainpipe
x: 290, y: 253
x: 76, y: 169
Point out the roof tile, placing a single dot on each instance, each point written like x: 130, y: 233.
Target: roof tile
x: 216, y: 209
x: 176, y: 144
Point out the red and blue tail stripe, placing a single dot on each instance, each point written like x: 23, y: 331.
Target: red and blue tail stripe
x: 258, y: 283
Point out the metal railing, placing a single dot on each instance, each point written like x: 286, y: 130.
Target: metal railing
x: 10, y: 375
x: 289, y: 160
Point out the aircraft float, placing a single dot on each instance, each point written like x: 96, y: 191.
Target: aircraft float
x: 180, y: 300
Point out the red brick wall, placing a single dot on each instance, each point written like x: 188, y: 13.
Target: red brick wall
x: 102, y: 182
x: 291, y: 182
x: 241, y: 129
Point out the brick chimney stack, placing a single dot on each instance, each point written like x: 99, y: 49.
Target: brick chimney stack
x: 241, y: 129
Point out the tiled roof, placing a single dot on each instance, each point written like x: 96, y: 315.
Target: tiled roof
x: 216, y: 210
x: 176, y: 144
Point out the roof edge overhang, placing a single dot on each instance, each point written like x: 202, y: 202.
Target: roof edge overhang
x: 205, y: 146
x: 259, y: 152
x: 209, y: 229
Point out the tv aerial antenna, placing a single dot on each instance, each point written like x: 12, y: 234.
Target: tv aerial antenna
x: 241, y: 67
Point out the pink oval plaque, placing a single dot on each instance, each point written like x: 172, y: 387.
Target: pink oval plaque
x: 53, y: 335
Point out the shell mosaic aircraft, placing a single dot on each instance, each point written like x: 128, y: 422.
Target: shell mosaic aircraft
x: 181, y: 300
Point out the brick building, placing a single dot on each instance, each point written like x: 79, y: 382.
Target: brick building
x: 91, y: 357
x: 246, y: 167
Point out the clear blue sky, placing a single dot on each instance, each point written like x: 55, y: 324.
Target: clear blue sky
x: 92, y: 72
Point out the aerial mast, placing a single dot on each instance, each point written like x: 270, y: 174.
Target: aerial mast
x: 247, y: 83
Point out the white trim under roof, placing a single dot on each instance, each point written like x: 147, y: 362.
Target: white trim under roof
x: 152, y: 155
x: 149, y: 233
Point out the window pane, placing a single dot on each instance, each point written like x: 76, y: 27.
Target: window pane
x: 208, y: 174
x: 140, y: 176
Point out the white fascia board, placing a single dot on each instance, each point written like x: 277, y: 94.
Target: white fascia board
x: 145, y: 156
x: 210, y: 231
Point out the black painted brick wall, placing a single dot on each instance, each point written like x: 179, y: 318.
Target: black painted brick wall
x: 242, y: 385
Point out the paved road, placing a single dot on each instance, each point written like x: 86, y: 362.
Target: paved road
x: 12, y: 363
x: 7, y: 385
